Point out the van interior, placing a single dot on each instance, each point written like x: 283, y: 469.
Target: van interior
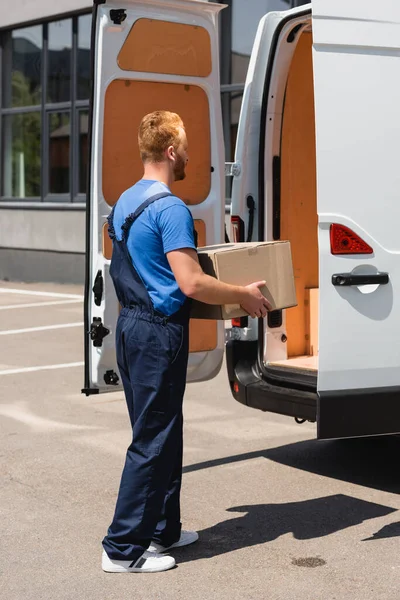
x: 298, y: 209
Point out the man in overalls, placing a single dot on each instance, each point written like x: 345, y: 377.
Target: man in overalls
x: 155, y: 271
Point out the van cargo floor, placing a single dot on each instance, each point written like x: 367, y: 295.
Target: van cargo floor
x: 308, y: 363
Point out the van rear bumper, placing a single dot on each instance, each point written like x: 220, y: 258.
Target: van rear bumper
x: 359, y: 413
x: 339, y: 414
x: 253, y: 389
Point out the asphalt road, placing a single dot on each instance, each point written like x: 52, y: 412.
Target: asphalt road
x: 280, y: 515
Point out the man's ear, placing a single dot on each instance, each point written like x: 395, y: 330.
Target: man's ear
x: 170, y: 153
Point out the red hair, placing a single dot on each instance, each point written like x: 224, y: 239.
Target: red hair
x: 157, y: 131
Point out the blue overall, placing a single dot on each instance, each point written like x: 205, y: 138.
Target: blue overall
x: 152, y: 355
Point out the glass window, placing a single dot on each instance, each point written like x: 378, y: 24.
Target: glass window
x: 59, y: 61
x: 38, y: 137
x: 21, y: 163
x: 83, y: 149
x: 83, y: 66
x: 245, y: 20
x: 59, y: 152
x: 22, y: 69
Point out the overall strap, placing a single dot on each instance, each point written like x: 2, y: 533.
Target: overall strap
x: 110, y: 220
x: 133, y: 216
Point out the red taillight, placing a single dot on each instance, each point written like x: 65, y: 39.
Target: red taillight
x: 237, y: 229
x: 240, y: 322
x: 236, y: 387
x: 345, y: 241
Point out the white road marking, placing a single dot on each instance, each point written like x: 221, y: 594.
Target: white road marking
x: 21, y: 413
x: 12, y: 306
x: 43, y: 368
x: 36, y: 293
x: 44, y: 328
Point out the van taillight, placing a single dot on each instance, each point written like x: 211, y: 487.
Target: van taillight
x: 345, y: 241
x: 237, y: 229
x: 240, y: 322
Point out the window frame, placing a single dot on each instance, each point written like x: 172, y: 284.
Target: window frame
x: 74, y: 106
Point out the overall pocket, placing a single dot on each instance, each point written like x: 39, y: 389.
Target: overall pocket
x: 175, y: 335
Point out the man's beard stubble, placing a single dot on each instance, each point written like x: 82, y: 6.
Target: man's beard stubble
x: 179, y: 170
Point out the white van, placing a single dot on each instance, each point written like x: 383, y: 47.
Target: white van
x: 317, y: 163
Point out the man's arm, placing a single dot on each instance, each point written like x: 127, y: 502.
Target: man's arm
x: 194, y: 283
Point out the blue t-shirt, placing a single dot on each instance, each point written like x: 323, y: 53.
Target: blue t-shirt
x: 165, y: 225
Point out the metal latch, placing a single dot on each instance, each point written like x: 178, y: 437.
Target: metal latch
x: 111, y: 378
x: 232, y: 169
x: 98, y: 288
x: 98, y: 332
x: 117, y: 15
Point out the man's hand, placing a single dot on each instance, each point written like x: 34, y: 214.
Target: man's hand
x: 255, y: 304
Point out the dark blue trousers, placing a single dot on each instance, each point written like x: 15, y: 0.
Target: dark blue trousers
x: 152, y: 358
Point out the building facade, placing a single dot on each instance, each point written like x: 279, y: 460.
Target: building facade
x: 44, y: 102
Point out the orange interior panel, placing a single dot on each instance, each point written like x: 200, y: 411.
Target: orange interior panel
x: 163, y: 47
x: 203, y: 335
x: 126, y: 103
x: 299, y: 221
x: 304, y: 363
x: 200, y: 227
x: 106, y: 242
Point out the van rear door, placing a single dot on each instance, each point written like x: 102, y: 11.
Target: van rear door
x: 150, y: 55
x: 356, y: 58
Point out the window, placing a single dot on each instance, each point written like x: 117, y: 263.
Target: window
x: 22, y: 84
x: 59, y: 61
x: 83, y: 149
x: 83, y: 62
x: 244, y: 28
x: 239, y: 24
x: 59, y: 152
x: 22, y: 164
x: 44, y: 111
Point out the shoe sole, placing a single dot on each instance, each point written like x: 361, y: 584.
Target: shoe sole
x: 181, y: 545
x: 137, y: 570
x: 178, y: 545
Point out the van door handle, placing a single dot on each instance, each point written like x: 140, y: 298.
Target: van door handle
x: 346, y: 279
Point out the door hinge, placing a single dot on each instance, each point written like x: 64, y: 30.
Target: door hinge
x: 233, y: 169
x: 111, y: 378
x: 98, y: 332
x: 117, y: 15
x: 98, y: 288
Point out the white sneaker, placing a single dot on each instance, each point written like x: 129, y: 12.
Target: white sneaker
x: 187, y: 537
x: 149, y: 562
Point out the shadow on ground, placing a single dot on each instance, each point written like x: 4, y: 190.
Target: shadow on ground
x: 370, y: 462
x: 263, y: 523
x: 388, y: 531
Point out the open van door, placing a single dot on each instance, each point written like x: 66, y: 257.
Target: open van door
x: 149, y: 55
x: 273, y: 188
x: 356, y: 57
x: 316, y: 164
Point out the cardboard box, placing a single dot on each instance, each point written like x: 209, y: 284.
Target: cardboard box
x: 245, y: 263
